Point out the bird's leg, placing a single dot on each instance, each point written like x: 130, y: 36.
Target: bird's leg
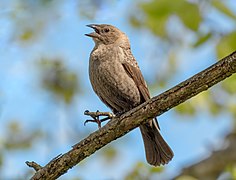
x: 96, y: 115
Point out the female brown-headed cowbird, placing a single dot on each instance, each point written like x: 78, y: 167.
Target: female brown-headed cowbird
x: 119, y: 83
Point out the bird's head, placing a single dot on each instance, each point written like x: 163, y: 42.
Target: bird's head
x: 107, y: 34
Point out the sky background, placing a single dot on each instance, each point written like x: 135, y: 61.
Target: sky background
x: 22, y: 97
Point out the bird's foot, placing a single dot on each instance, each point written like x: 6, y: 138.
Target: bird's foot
x: 96, y: 117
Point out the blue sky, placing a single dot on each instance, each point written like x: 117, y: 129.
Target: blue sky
x: 22, y: 98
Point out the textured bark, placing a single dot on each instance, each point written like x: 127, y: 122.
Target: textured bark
x: 119, y: 126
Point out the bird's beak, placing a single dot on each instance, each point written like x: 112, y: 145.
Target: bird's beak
x: 96, y: 29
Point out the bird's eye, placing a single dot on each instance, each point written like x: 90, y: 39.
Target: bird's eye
x: 106, y: 30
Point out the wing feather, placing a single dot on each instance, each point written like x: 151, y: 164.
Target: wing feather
x: 134, y: 72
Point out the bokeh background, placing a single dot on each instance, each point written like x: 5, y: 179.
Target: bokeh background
x: 44, y: 83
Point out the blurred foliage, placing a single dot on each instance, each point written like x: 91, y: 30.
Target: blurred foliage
x: 186, y: 108
x: 226, y: 45
x: 221, y: 7
x: 19, y: 138
x: 109, y: 153
x: 1, y: 160
x: 203, y: 38
x: 58, y: 79
x: 199, y: 103
x: 157, y: 16
x: 231, y: 169
x: 142, y: 171
x: 89, y: 9
x: 232, y: 110
x: 193, y: 15
x: 162, y: 78
x: 158, y: 12
x: 43, y: 13
x: 185, y: 177
x: 26, y: 35
x: 30, y: 18
x: 16, y: 138
x: 76, y: 178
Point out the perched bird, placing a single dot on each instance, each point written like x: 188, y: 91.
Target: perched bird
x: 117, y: 80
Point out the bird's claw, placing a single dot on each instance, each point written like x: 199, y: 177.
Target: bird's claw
x: 93, y: 120
x: 96, y: 115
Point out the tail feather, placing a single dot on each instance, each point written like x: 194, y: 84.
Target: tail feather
x: 157, y: 150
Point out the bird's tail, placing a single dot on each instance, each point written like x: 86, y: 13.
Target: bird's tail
x: 157, y: 150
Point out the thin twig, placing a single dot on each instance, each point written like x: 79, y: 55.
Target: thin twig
x: 34, y: 165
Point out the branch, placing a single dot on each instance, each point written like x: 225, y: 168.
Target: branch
x: 156, y: 106
x: 213, y: 166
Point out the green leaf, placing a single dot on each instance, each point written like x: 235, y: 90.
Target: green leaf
x: 230, y: 84
x: 157, y: 14
x: 214, y: 108
x: 223, y: 9
x: 186, y: 108
x: 190, y: 15
x: 186, y: 177
x: 109, y: 154
x: 158, y: 28
x: 226, y: 45
x: 26, y: 35
x: 156, y: 169
x: 158, y: 9
x: 58, y: 79
x: 143, y: 171
x: 202, y: 39
x: 232, y: 110
x: 1, y: 159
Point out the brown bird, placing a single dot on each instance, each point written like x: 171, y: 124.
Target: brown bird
x: 117, y: 80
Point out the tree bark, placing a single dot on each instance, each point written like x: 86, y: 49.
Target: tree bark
x: 121, y: 125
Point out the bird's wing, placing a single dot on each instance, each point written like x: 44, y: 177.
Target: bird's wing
x: 131, y: 67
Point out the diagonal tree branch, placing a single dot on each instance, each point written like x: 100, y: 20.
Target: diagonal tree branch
x: 119, y: 126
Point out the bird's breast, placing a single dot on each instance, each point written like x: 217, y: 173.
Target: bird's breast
x: 109, y: 79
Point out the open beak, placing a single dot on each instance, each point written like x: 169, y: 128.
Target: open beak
x: 96, y: 29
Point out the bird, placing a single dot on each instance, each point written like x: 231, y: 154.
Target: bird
x: 117, y: 80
